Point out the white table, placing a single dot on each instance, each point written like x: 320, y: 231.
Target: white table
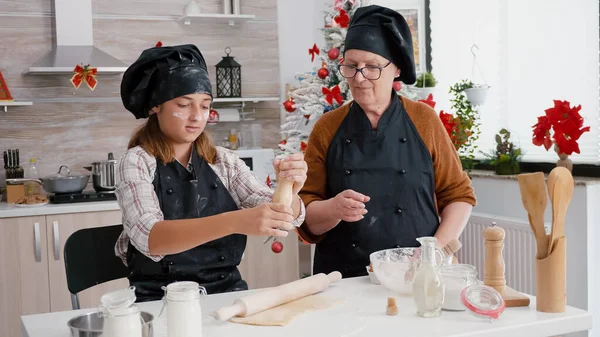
x: 361, y: 314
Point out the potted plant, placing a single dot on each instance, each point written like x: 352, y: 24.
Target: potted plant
x: 424, y: 85
x: 505, y: 159
x: 477, y: 93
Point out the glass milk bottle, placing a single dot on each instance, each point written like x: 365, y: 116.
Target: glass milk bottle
x: 184, y: 314
x: 428, y: 286
x: 121, y: 316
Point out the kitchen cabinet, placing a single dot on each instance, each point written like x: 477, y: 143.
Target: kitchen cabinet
x: 33, y: 278
x: 24, y: 286
x: 58, y: 228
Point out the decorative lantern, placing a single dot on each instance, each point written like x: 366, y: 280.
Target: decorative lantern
x: 229, y: 77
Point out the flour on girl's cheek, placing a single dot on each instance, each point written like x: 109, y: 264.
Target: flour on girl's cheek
x: 179, y: 115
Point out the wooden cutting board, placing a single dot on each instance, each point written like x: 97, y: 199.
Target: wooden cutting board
x: 513, y: 298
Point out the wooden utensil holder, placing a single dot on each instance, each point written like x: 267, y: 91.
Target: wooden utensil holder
x: 551, y: 279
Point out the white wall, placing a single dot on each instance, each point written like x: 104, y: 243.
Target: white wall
x: 299, y: 22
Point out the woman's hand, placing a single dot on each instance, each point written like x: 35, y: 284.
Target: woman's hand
x: 349, y: 206
x: 293, y: 168
x: 265, y: 220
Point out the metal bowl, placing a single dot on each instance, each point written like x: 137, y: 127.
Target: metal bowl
x: 91, y: 324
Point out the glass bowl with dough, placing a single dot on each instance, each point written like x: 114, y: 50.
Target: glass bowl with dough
x: 395, y: 268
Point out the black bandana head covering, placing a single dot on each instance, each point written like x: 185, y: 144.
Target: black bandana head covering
x: 384, y: 32
x: 161, y: 74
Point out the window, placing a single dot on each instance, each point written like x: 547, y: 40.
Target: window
x: 530, y: 53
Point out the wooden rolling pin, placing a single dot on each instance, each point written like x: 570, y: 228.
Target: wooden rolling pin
x: 272, y: 297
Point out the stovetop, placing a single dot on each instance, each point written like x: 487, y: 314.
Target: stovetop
x: 85, y: 196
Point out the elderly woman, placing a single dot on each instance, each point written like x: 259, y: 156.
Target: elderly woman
x: 188, y: 205
x: 381, y: 170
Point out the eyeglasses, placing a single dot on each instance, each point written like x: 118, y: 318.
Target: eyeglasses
x: 368, y: 72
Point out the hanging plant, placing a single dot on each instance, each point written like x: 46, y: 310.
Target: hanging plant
x: 476, y: 93
x: 467, y: 124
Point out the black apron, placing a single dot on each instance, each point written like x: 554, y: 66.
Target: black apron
x: 393, y: 166
x: 213, y: 264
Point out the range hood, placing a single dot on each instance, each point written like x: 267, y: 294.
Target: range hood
x: 75, y: 43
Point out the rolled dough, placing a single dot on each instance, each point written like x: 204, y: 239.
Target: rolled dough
x: 284, y: 314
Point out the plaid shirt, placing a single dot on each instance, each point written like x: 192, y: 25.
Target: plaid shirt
x: 139, y: 203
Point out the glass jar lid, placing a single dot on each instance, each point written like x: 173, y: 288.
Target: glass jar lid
x: 483, y: 301
x: 118, y: 299
x: 182, y: 291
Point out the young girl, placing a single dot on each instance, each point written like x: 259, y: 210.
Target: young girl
x: 188, y: 205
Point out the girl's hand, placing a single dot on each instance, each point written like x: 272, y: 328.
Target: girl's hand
x: 293, y: 168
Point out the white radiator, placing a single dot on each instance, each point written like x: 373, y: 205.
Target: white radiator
x: 519, y: 250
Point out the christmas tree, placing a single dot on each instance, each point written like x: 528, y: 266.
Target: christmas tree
x: 324, y: 89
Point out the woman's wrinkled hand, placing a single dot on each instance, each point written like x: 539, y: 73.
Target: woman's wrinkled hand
x: 349, y: 206
x: 292, y: 168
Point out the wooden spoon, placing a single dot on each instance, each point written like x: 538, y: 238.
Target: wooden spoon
x: 560, y: 188
x: 534, y: 198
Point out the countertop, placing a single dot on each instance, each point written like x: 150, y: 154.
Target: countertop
x: 361, y: 314
x: 12, y: 210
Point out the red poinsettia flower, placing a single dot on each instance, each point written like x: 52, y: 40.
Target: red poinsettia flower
x: 449, y: 122
x: 566, y: 124
x: 566, y: 144
x: 429, y: 101
x: 541, y: 132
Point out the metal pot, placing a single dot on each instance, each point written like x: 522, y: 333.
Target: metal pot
x: 59, y: 183
x: 91, y: 324
x: 104, y: 174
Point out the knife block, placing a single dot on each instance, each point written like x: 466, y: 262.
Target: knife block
x: 14, y: 192
x: 551, y: 279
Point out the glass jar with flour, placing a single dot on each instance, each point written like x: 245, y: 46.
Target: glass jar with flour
x: 121, y: 317
x: 456, y: 278
x: 184, y: 314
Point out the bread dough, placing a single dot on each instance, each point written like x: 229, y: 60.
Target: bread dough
x: 284, y: 314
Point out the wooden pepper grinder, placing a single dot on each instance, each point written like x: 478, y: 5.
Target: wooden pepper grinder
x: 283, y: 192
x: 284, y: 195
x: 493, y: 272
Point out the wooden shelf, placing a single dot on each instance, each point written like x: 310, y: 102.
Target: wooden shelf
x: 6, y: 104
x: 93, y: 99
x: 245, y: 99
x: 232, y: 18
